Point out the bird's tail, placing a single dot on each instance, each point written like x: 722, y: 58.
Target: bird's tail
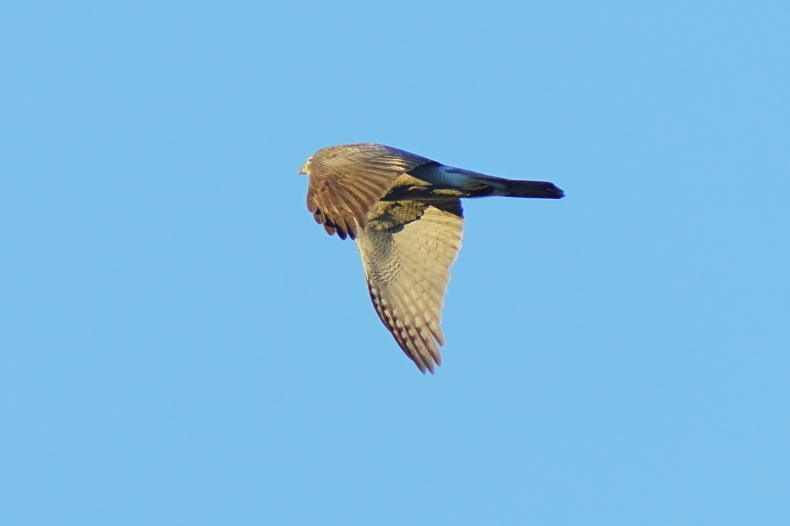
x: 534, y: 189
x: 483, y: 185
x: 457, y: 182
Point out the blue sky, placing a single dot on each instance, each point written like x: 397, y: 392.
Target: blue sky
x: 181, y: 344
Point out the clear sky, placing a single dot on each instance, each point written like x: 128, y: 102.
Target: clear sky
x: 180, y: 344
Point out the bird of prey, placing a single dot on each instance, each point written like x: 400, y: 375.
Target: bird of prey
x: 404, y: 211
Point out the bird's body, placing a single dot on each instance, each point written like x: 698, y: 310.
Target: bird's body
x: 405, y: 213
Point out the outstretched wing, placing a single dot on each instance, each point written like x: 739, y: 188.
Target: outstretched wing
x: 347, y: 180
x: 407, y: 250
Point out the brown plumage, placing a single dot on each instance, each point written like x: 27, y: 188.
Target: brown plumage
x: 404, y: 211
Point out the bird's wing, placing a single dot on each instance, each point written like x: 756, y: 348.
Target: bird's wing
x: 347, y: 180
x: 407, y: 250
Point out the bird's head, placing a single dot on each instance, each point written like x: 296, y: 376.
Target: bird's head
x: 305, y: 169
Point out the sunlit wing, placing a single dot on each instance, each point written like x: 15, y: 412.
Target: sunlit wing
x: 407, y: 250
x: 346, y: 181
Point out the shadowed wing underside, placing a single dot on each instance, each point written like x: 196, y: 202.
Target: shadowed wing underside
x: 407, y: 250
x: 346, y: 181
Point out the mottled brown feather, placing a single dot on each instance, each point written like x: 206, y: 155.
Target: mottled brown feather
x: 346, y: 181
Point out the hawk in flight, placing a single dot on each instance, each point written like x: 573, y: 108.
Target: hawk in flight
x: 404, y: 211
